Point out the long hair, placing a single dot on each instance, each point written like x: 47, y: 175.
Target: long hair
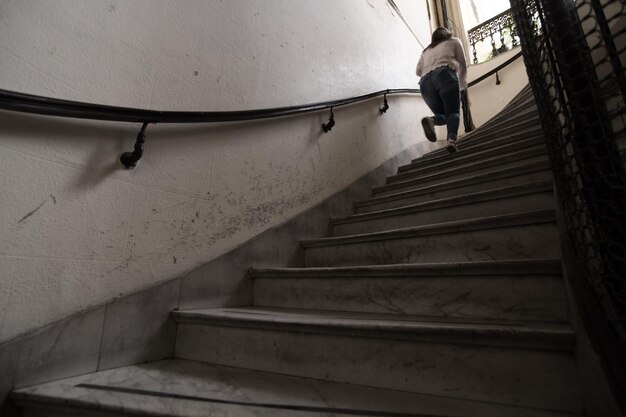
x: 440, y: 34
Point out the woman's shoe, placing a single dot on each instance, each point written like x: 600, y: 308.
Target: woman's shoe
x: 428, y: 123
x: 451, y: 144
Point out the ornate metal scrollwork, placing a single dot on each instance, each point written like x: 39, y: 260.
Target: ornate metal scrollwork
x: 499, y: 32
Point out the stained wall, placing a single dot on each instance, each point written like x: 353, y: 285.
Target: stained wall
x: 78, y: 231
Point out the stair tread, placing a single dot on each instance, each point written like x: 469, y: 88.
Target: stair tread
x: 486, y: 135
x: 551, y: 335
x: 490, y: 175
x: 514, y: 267
x: 474, y: 160
x: 451, y: 168
x: 182, y: 388
x: 468, y: 198
x: 513, y: 219
x: 468, y: 155
x: 444, y: 175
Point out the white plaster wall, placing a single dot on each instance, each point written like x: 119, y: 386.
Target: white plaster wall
x: 76, y: 230
x: 487, y: 99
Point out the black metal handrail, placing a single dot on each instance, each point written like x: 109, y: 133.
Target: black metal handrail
x: 11, y: 100
x: 28, y: 103
x: 495, y: 71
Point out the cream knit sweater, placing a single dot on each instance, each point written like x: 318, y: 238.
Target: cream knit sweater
x: 448, y: 53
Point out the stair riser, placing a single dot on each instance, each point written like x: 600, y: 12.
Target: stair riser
x: 455, y: 173
x: 469, y: 147
x: 503, y: 134
x: 515, y: 119
x: 437, y: 193
x: 502, y: 297
x: 471, y: 164
x: 505, y: 205
x: 486, y: 141
x: 531, y: 377
x: 511, y: 242
x: 510, y: 113
x: 458, y: 158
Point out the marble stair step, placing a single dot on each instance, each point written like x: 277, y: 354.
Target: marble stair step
x: 470, y: 147
x: 490, y: 180
x: 180, y: 388
x: 513, y: 115
x: 499, y: 131
x: 525, y: 235
x: 474, y: 144
x: 523, y: 100
x: 530, y: 290
x: 510, y: 161
x: 524, y: 95
x: 514, y: 107
x: 479, y: 152
x: 505, y: 200
x: 471, y: 164
x: 524, y: 364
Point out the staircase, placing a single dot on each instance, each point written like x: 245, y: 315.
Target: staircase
x: 442, y: 295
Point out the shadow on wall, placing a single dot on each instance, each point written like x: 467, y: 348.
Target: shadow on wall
x: 99, y: 140
x: 99, y: 143
x: 96, y: 140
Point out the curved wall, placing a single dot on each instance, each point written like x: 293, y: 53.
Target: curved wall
x: 488, y: 98
x: 76, y: 230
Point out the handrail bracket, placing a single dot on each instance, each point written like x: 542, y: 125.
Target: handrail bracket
x: 130, y: 159
x: 326, y: 127
x: 385, y: 106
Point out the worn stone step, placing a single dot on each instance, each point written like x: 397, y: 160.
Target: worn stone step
x: 518, y: 104
x: 470, y: 147
x: 507, y: 363
x: 530, y: 290
x: 512, y: 160
x: 525, y: 95
x: 477, y: 148
x: 500, y: 131
x: 506, y: 200
x: 490, y: 180
x: 475, y: 144
x: 512, y: 111
x: 476, y: 161
x: 477, y: 153
x: 525, y: 235
x: 180, y: 388
x: 523, y: 100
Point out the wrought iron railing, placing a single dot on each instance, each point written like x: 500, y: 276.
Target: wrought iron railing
x: 578, y: 78
x: 494, y: 36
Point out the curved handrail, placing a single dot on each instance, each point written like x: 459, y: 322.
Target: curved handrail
x: 28, y: 103
x: 495, y: 70
x: 14, y: 101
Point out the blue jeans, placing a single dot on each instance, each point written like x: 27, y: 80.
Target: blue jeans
x: 441, y: 92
